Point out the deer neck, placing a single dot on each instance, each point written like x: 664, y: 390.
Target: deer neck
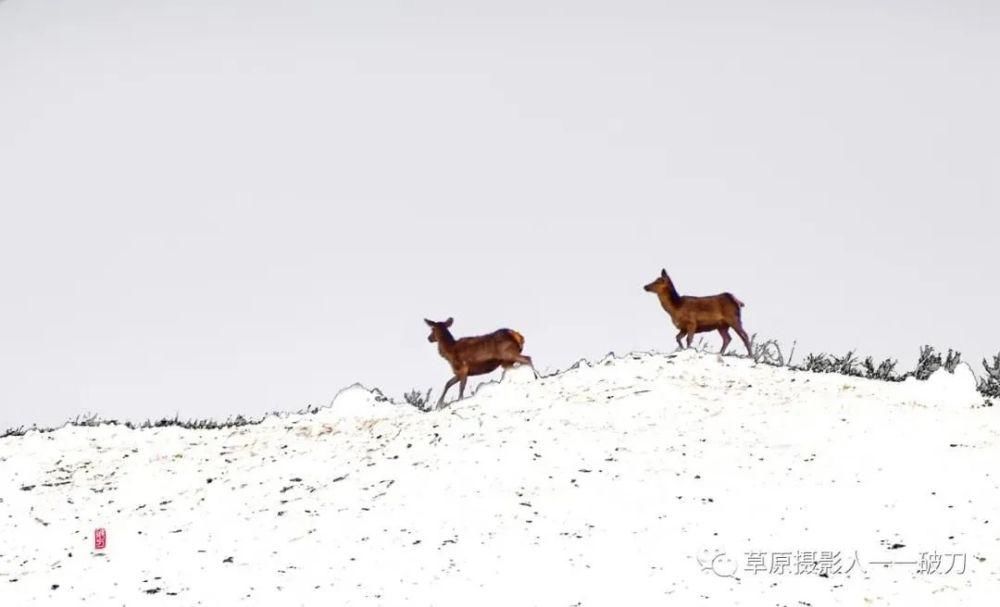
x: 446, y: 344
x: 670, y: 300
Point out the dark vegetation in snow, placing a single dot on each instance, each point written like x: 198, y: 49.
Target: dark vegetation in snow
x: 850, y: 364
x: 989, y: 385
x: 92, y: 420
x: 768, y: 352
x: 417, y: 399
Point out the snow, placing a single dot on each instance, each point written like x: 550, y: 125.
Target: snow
x: 944, y: 389
x: 621, y: 481
x: 358, y: 401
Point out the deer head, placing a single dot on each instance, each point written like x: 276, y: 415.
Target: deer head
x: 661, y: 285
x: 438, y: 329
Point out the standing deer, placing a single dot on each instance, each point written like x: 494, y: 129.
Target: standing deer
x: 476, y: 355
x: 700, y: 314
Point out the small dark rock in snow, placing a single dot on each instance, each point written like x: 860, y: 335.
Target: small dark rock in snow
x: 228, y: 559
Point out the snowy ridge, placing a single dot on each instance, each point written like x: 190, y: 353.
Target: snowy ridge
x: 611, y: 483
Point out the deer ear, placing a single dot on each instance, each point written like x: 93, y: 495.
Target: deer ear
x: 430, y: 323
x: 448, y: 322
x: 663, y: 273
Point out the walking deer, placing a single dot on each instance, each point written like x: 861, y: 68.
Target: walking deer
x: 476, y: 355
x: 700, y: 314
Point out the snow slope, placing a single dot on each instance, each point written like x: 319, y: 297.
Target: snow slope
x: 641, y: 480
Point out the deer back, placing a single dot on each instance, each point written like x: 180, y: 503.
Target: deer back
x: 501, y: 345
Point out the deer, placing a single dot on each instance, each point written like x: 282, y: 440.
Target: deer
x: 692, y: 314
x: 476, y: 355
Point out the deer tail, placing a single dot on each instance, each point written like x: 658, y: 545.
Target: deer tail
x: 738, y: 302
x: 517, y: 337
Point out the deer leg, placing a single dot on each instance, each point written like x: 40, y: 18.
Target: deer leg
x: 526, y: 360
x: 738, y: 327
x: 724, y: 332
x: 461, y: 375
x: 451, y: 382
x: 680, y: 334
x: 690, y: 336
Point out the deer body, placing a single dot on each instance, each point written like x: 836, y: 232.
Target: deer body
x: 693, y: 315
x: 477, y: 355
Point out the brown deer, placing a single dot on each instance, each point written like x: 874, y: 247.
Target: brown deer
x: 476, y: 355
x: 700, y: 314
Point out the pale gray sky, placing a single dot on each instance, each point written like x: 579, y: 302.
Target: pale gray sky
x: 213, y: 207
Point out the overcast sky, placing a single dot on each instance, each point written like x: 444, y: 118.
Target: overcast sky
x: 213, y: 207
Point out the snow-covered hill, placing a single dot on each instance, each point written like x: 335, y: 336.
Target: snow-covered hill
x: 641, y: 480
